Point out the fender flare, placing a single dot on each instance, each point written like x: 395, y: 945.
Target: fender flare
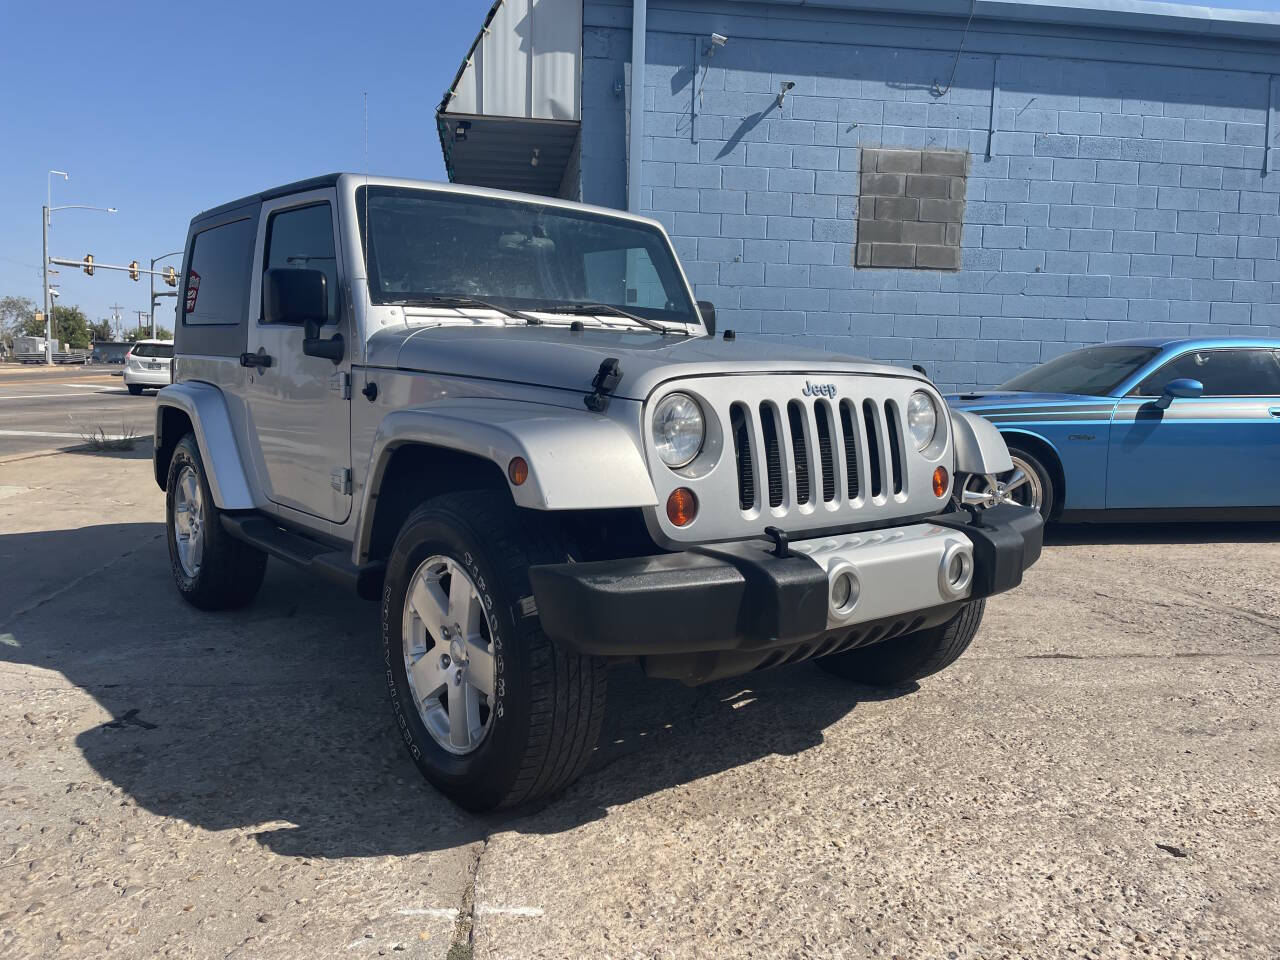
x: 577, y: 460
x: 206, y: 408
x: 980, y: 449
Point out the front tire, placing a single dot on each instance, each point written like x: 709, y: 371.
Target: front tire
x: 906, y: 659
x: 492, y: 711
x: 212, y: 569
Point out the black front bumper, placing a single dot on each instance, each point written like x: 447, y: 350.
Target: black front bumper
x: 740, y: 597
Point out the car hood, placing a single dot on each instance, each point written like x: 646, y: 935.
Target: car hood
x: 556, y: 357
x: 1008, y: 399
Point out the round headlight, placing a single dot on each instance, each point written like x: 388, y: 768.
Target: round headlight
x: 922, y: 419
x: 678, y: 429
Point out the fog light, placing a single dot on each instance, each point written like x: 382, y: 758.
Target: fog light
x: 682, y: 506
x: 518, y: 470
x: 956, y: 572
x: 940, y: 482
x: 845, y: 589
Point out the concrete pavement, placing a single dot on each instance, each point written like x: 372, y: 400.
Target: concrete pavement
x: 1099, y: 776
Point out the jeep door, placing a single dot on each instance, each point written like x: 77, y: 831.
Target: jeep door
x: 299, y: 407
x: 1221, y: 449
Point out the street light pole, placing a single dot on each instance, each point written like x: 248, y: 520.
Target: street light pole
x: 154, y: 261
x: 45, y: 215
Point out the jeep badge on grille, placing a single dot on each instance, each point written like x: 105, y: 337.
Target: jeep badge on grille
x: 812, y: 389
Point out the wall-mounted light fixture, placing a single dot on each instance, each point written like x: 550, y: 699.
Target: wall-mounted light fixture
x: 717, y: 40
x: 533, y: 160
x: 460, y: 130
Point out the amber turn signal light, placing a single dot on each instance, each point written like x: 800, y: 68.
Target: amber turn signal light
x: 940, y: 482
x: 518, y: 470
x: 682, y: 506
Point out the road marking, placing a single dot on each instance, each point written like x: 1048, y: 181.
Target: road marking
x: 87, y: 386
x: 12, y: 491
x: 71, y: 436
x: 49, y: 396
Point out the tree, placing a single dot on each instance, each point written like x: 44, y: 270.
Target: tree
x: 144, y: 333
x: 15, y: 314
x: 70, y: 327
x: 101, y: 330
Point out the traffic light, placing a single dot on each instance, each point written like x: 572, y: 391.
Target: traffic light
x: 171, y: 276
x: 88, y: 264
x: 133, y: 269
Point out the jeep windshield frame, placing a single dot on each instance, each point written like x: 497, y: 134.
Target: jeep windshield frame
x: 441, y: 245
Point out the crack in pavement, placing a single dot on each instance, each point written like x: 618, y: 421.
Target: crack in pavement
x: 462, y: 944
x: 41, y: 601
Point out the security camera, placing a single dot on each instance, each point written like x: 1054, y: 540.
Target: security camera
x: 783, y: 88
x: 55, y: 294
x: 719, y: 39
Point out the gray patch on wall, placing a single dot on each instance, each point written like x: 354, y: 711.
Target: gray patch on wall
x: 911, y: 208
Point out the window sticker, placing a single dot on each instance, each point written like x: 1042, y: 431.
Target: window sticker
x: 193, y: 290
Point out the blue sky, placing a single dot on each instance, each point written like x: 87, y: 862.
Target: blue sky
x: 165, y: 109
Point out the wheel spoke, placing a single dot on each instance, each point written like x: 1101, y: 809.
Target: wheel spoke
x: 462, y: 704
x: 1017, y: 479
x: 464, y: 605
x: 196, y: 546
x: 480, y: 666
x: 427, y: 675
x: 427, y: 599
x: 190, y: 489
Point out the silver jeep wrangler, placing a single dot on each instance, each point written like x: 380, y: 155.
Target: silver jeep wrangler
x: 506, y: 419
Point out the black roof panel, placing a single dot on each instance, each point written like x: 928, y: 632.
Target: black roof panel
x: 298, y: 186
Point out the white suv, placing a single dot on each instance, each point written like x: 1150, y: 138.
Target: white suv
x: 147, y: 365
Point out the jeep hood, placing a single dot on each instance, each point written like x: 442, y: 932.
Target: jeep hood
x: 555, y: 357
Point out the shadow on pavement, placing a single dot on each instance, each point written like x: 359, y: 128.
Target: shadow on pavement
x: 274, y: 717
x: 1064, y: 534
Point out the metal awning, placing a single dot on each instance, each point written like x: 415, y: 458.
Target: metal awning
x: 511, y: 117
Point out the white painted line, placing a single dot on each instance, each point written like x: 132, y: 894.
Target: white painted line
x: 509, y: 911
x: 439, y: 913
x: 87, y: 386
x: 69, y: 436
x: 50, y: 396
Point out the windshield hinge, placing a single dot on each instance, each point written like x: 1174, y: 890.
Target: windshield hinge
x: 605, y: 381
x: 340, y: 480
x: 340, y: 383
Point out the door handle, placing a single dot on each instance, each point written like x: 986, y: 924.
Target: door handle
x: 1275, y: 412
x: 261, y: 359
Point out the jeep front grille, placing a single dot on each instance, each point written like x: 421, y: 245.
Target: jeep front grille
x: 802, y: 453
x: 882, y: 453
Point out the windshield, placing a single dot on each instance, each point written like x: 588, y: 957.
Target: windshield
x: 527, y: 256
x: 1093, y: 371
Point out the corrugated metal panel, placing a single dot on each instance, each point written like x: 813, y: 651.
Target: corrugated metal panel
x: 526, y: 62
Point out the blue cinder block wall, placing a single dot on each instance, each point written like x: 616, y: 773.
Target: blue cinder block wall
x: 1121, y: 194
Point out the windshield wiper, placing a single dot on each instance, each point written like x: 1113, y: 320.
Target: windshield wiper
x: 590, y: 309
x: 468, y: 302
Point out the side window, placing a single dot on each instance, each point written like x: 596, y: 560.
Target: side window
x: 217, y: 279
x: 302, y: 238
x: 1224, y: 373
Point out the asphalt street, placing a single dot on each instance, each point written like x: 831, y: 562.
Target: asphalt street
x: 1098, y: 776
x: 49, y: 409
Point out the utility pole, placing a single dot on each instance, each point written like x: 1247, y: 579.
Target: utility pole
x: 141, y: 315
x: 45, y: 215
x: 115, y: 315
x: 154, y: 261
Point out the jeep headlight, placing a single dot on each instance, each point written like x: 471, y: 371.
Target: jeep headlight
x: 922, y: 419
x: 678, y: 429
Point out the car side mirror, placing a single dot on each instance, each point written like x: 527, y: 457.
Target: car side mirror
x: 302, y: 296
x: 1183, y: 388
x: 707, y: 310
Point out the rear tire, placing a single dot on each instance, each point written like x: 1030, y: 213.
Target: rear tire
x: 212, y: 569
x: 541, y: 715
x: 906, y: 659
x: 134, y: 388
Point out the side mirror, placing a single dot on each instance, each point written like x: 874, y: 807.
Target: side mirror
x: 302, y: 296
x: 1183, y: 388
x: 707, y: 310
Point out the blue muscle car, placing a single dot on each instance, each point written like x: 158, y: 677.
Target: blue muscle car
x: 1156, y: 429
